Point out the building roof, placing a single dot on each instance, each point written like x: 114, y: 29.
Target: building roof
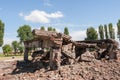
x: 47, y: 34
x: 43, y: 35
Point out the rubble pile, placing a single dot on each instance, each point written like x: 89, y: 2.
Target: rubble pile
x: 88, y: 69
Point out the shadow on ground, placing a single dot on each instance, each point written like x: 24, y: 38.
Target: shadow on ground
x: 29, y: 66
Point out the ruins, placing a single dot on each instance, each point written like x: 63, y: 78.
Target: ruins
x: 60, y: 49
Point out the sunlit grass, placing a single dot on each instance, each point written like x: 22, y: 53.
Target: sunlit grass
x: 12, y: 57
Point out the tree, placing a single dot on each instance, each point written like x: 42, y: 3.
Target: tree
x: 15, y: 46
x: 42, y: 28
x: 118, y: 29
x: 106, y: 31
x: 1, y: 32
x: 101, y: 32
x: 66, y: 31
x: 54, y: 29
x: 111, y: 31
x: 21, y: 48
x: 25, y: 33
x: 50, y: 29
x: 91, y: 34
x: 7, y: 49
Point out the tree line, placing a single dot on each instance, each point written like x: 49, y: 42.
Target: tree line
x: 25, y: 33
x: 104, y: 32
x: 13, y: 49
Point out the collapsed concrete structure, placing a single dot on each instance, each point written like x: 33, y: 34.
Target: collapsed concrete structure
x: 59, y: 48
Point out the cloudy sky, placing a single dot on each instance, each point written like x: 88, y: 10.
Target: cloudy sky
x: 77, y: 15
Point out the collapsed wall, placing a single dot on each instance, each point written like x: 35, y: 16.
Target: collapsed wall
x: 61, y: 48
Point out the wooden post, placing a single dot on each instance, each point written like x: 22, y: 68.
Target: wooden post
x: 51, y: 58
x: 26, y: 54
x: 55, y: 58
x: 55, y: 53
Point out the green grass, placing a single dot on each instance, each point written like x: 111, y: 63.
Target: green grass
x: 2, y: 58
x: 10, y: 55
x: 1, y: 55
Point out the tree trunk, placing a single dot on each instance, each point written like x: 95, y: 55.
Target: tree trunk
x: 26, y: 54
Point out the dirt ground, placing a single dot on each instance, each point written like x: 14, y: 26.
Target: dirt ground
x: 89, y: 69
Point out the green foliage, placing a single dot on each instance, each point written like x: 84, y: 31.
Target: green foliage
x: 50, y: 29
x: 66, y: 31
x: 42, y: 28
x: 54, y: 29
x: 106, y: 31
x: 25, y: 33
x: 111, y: 31
x: 21, y: 48
x: 7, y: 49
x: 1, y: 32
x: 101, y: 32
x: 91, y: 34
x: 15, y: 46
x: 2, y: 55
x: 118, y: 29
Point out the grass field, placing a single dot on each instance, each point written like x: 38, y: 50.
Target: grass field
x: 10, y: 57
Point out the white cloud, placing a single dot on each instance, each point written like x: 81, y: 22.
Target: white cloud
x: 115, y: 28
x: 58, y: 30
x: 57, y: 14
x: 41, y: 16
x: 78, y: 35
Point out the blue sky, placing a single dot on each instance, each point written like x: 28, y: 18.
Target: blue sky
x: 77, y: 15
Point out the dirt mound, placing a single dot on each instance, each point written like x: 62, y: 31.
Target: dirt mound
x: 88, y: 69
